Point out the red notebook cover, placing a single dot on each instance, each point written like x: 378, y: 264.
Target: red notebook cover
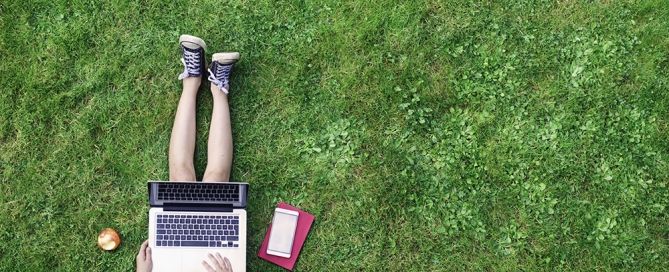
x: 304, y: 222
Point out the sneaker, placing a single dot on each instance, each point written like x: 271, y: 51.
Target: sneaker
x: 193, y: 59
x: 221, y: 66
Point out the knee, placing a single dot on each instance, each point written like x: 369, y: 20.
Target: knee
x: 219, y: 175
x: 182, y: 172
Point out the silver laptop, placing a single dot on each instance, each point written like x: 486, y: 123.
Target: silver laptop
x: 189, y: 220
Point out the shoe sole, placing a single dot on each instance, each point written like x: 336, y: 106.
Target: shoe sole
x: 192, y: 42
x: 225, y: 58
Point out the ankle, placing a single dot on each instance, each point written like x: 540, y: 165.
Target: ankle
x: 192, y: 82
x: 217, y: 90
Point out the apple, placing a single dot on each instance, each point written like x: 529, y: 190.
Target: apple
x: 109, y: 239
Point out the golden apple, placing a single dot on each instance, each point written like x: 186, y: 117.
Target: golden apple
x: 109, y: 239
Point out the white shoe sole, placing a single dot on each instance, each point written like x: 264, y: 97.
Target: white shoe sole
x: 192, y: 42
x: 226, y: 57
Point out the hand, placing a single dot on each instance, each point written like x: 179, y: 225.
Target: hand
x: 144, y: 261
x: 220, y: 264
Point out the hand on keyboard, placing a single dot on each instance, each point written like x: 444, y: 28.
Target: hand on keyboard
x: 220, y: 264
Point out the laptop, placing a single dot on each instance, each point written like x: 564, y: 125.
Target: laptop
x: 189, y: 220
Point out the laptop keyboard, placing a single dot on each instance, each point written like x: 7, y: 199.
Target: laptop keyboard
x: 173, y: 230
x: 198, y: 191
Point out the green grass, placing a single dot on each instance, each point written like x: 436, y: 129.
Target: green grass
x: 424, y: 136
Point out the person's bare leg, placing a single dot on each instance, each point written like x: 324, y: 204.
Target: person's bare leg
x: 182, y: 141
x: 219, y: 156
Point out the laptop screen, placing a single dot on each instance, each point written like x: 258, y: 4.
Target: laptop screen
x: 211, y: 193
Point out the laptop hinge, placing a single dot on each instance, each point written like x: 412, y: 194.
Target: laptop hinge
x: 190, y: 207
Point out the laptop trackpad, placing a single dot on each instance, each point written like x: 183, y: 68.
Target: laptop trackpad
x: 191, y: 260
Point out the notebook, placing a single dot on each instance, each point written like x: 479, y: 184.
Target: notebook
x: 304, y: 222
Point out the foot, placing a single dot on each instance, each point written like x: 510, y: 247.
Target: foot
x: 193, y: 59
x: 221, y: 66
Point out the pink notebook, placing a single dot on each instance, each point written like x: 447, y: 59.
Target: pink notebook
x: 303, y: 225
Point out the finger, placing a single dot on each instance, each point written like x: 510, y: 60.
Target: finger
x: 142, y: 255
x: 148, y: 254
x: 228, y: 264
x: 206, y: 265
x: 215, y: 262
x: 219, y: 258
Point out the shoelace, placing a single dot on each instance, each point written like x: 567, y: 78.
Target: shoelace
x: 220, y: 78
x: 191, y: 64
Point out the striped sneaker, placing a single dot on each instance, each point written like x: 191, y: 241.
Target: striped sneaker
x: 192, y: 48
x: 221, y: 66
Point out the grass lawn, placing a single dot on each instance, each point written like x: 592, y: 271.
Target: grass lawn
x: 424, y: 136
